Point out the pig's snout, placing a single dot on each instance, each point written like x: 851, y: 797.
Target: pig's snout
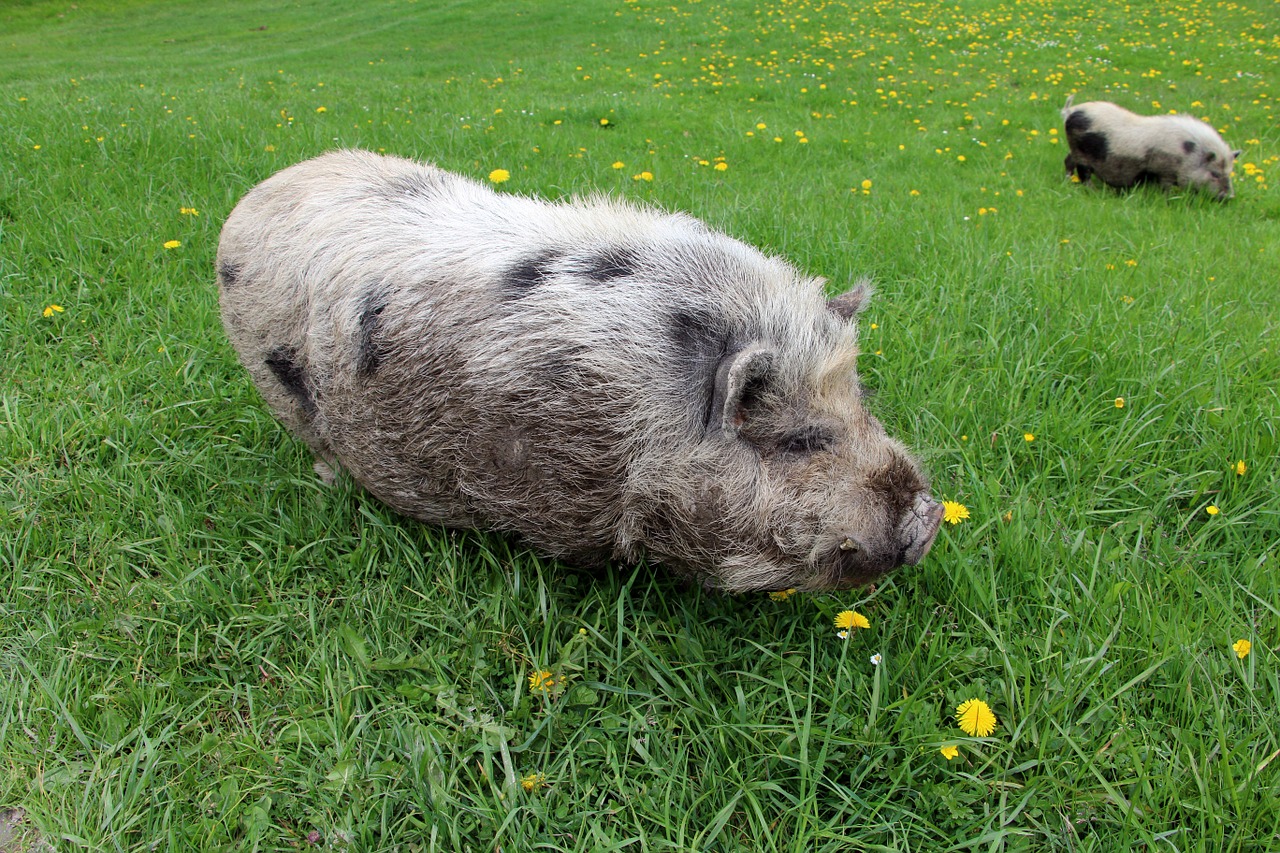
x: 858, y: 562
x: 919, y: 528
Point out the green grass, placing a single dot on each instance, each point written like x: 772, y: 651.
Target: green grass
x: 203, y: 649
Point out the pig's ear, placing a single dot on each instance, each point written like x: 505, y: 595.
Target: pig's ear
x: 849, y: 303
x: 738, y: 381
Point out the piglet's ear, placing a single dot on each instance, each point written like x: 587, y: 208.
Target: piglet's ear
x: 1236, y: 153
x: 739, y: 379
x: 852, y: 301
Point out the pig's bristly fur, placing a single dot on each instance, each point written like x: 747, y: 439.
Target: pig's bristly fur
x: 604, y: 380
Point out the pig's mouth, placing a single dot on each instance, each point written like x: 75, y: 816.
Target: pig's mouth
x: 853, y: 563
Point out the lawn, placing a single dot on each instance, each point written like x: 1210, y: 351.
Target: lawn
x: 203, y: 648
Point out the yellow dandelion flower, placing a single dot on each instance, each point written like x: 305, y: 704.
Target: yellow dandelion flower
x: 50, y: 310
x: 782, y: 594
x: 1240, y: 468
x: 761, y: 126
x: 532, y: 781
x: 172, y: 244
x: 847, y: 619
x: 1212, y: 510
x: 949, y: 751
x: 721, y: 166
x: 322, y: 109
x: 1242, y: 648
x: 1029, y: 436
x: 188, y: 211
x: 960, y: 158
x: 604, y: 122
x: 866, y: 185
x: 497, y: 176
x: 915, y: 192
x: 953, y: 512
x: 975, y: 718
x: 541, y: 681
x: 1119, y: 402
x: 618, y: 164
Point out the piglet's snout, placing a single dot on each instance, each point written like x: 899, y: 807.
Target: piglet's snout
x: 919, y: 528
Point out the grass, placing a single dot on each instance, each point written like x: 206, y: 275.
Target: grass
x: 202, y: 648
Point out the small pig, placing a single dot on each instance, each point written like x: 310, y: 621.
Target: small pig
x: 1124, y: 149
x: 604, y: 380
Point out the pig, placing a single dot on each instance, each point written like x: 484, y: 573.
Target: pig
x: 1124, y: 149
x: 605, y: 381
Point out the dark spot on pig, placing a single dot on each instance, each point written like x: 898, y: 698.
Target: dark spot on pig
x: 560, y: 373
x: 420, y: 184
x: 702, y: 341
x: 527, y: 274
x: 614, y: 262
x: 897, y: 485
x: 1078, y: 122
x: 1093, y: 145
x: 283, y: 362
x: 1188, y: 146
x: 229, y: 273
x: 368, y: 345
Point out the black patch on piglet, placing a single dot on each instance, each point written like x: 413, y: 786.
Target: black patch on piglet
x: 614, y: 262
x: 229, y: 273
x: 702, y: 341
x: 897, y: 485
x: 1078, y: 122
x: 527, y: 274
x: 1093, y: 145
x: 283, y: 362
x: 368, y: 342
x: 1188, y: 146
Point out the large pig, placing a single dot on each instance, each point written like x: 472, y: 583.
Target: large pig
x: 603, y: 380
x: 1124, y: 149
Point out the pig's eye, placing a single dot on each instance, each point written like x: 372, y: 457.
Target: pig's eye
x: 810, y: 439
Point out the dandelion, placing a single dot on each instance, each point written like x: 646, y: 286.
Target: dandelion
x: 643, y: 176
x: 541, y: 681
x: 721, y: 166
x: 953, y: 512
x: 1212, y: 510
x: 975, y: 718
x: 1119, y: 402
x: 949, y: 751
x: 322, y: 109
x: 172, y: 244
x: 618, y: 164
x: 866, y: 185
x: 1242, y: 648
x: 188, y: 211
x: 1240, y: 468
x: 50, y: 310
x: 876, y: 658
x: 848, y: 619
x: 532, y: 781
x: 497, y: 176
x: 604, y: 122
x: 782, y: 594
x: 1029, y: 436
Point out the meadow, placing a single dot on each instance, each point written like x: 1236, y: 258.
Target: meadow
x: 203, y: 648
